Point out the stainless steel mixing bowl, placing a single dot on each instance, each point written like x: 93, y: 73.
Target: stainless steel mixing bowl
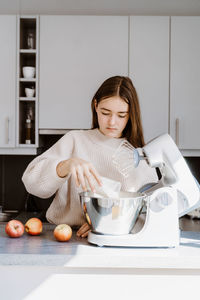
x: 112, y: 216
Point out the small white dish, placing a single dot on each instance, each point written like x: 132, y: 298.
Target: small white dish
x: 29, y: 92
x: 28, y: 72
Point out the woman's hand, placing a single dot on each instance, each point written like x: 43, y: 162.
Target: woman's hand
x: 81, y: 170
x: 83, y: 230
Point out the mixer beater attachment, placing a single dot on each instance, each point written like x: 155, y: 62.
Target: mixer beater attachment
x: 126, y: 158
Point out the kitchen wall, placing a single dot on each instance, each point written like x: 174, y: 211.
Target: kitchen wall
x: 13, y: 195
x: 103, y: 7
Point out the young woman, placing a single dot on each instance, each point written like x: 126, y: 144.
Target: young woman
x: 82, y: 156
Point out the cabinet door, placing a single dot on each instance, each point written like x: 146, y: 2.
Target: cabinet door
x: 7, y: 80
x: 149, y: 71
x: 185, y: 82
x: 77, y: 53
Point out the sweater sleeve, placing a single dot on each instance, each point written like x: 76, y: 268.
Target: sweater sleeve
x: 40, y: 177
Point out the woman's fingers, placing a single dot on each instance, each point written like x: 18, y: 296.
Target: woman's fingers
x: 75, y: 177
x: 96, y: 175
x: 92, y: 176
x: 90, y: 180
x: 84, y: 172
x: 81, y: 178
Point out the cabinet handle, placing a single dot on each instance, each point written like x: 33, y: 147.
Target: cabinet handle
x: 7, y: 130
x: 177, y: 131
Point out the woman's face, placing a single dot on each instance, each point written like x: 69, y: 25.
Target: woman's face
x: 113, y: 115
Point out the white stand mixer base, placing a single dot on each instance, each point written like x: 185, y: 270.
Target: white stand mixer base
x: 127, y: 240
x: 161, y: 228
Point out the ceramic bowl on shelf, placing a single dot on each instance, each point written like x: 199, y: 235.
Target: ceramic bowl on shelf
x: 29, y: 92
x: 28, y: 72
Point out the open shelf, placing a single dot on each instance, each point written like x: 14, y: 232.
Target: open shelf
x: 27, y: 101
x: 27, y: 27
x: 25, y: 84
x: 26, y: 108
x: 27, y: 59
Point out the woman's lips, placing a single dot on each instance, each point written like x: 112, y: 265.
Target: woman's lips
x: 112, y: 129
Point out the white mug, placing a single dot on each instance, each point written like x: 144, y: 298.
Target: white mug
x: 29, y: 92
x: 28, y: 72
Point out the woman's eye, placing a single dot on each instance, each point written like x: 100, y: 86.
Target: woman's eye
x: 105, y: 114
x: 122, y: 116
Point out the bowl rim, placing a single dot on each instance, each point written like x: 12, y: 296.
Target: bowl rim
x: 28, y: 67
x: 132, y: 195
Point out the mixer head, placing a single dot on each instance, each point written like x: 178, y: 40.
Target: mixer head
x: 126, y: 158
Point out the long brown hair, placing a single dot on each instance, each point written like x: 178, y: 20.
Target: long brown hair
x: 123, y: 87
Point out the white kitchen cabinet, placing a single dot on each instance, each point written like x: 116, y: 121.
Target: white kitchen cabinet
x: 77, y: 53
x: 149, y: 71
x: 185, y: 82
x: 7, y: 80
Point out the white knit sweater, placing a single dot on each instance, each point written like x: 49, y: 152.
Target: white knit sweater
x: 40, y: 177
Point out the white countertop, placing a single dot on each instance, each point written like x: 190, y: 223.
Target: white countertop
x: 44, y: 250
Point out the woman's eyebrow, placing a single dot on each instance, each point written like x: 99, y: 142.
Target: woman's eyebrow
x: 120, y: 112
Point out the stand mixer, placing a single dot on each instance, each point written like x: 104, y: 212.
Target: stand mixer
x: 174, y: 195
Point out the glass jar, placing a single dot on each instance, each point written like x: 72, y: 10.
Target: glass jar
x: 30, y: 41
x: 29, y: 125
x: 28, y: 130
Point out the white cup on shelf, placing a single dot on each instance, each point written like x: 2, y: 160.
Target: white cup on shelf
x: 29, y: 92
x: 28, y: 72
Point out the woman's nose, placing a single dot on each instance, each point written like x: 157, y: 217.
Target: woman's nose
x: 112, y: 120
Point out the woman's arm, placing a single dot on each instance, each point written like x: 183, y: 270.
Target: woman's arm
x: 47, y: 172
x: 40, y: 177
